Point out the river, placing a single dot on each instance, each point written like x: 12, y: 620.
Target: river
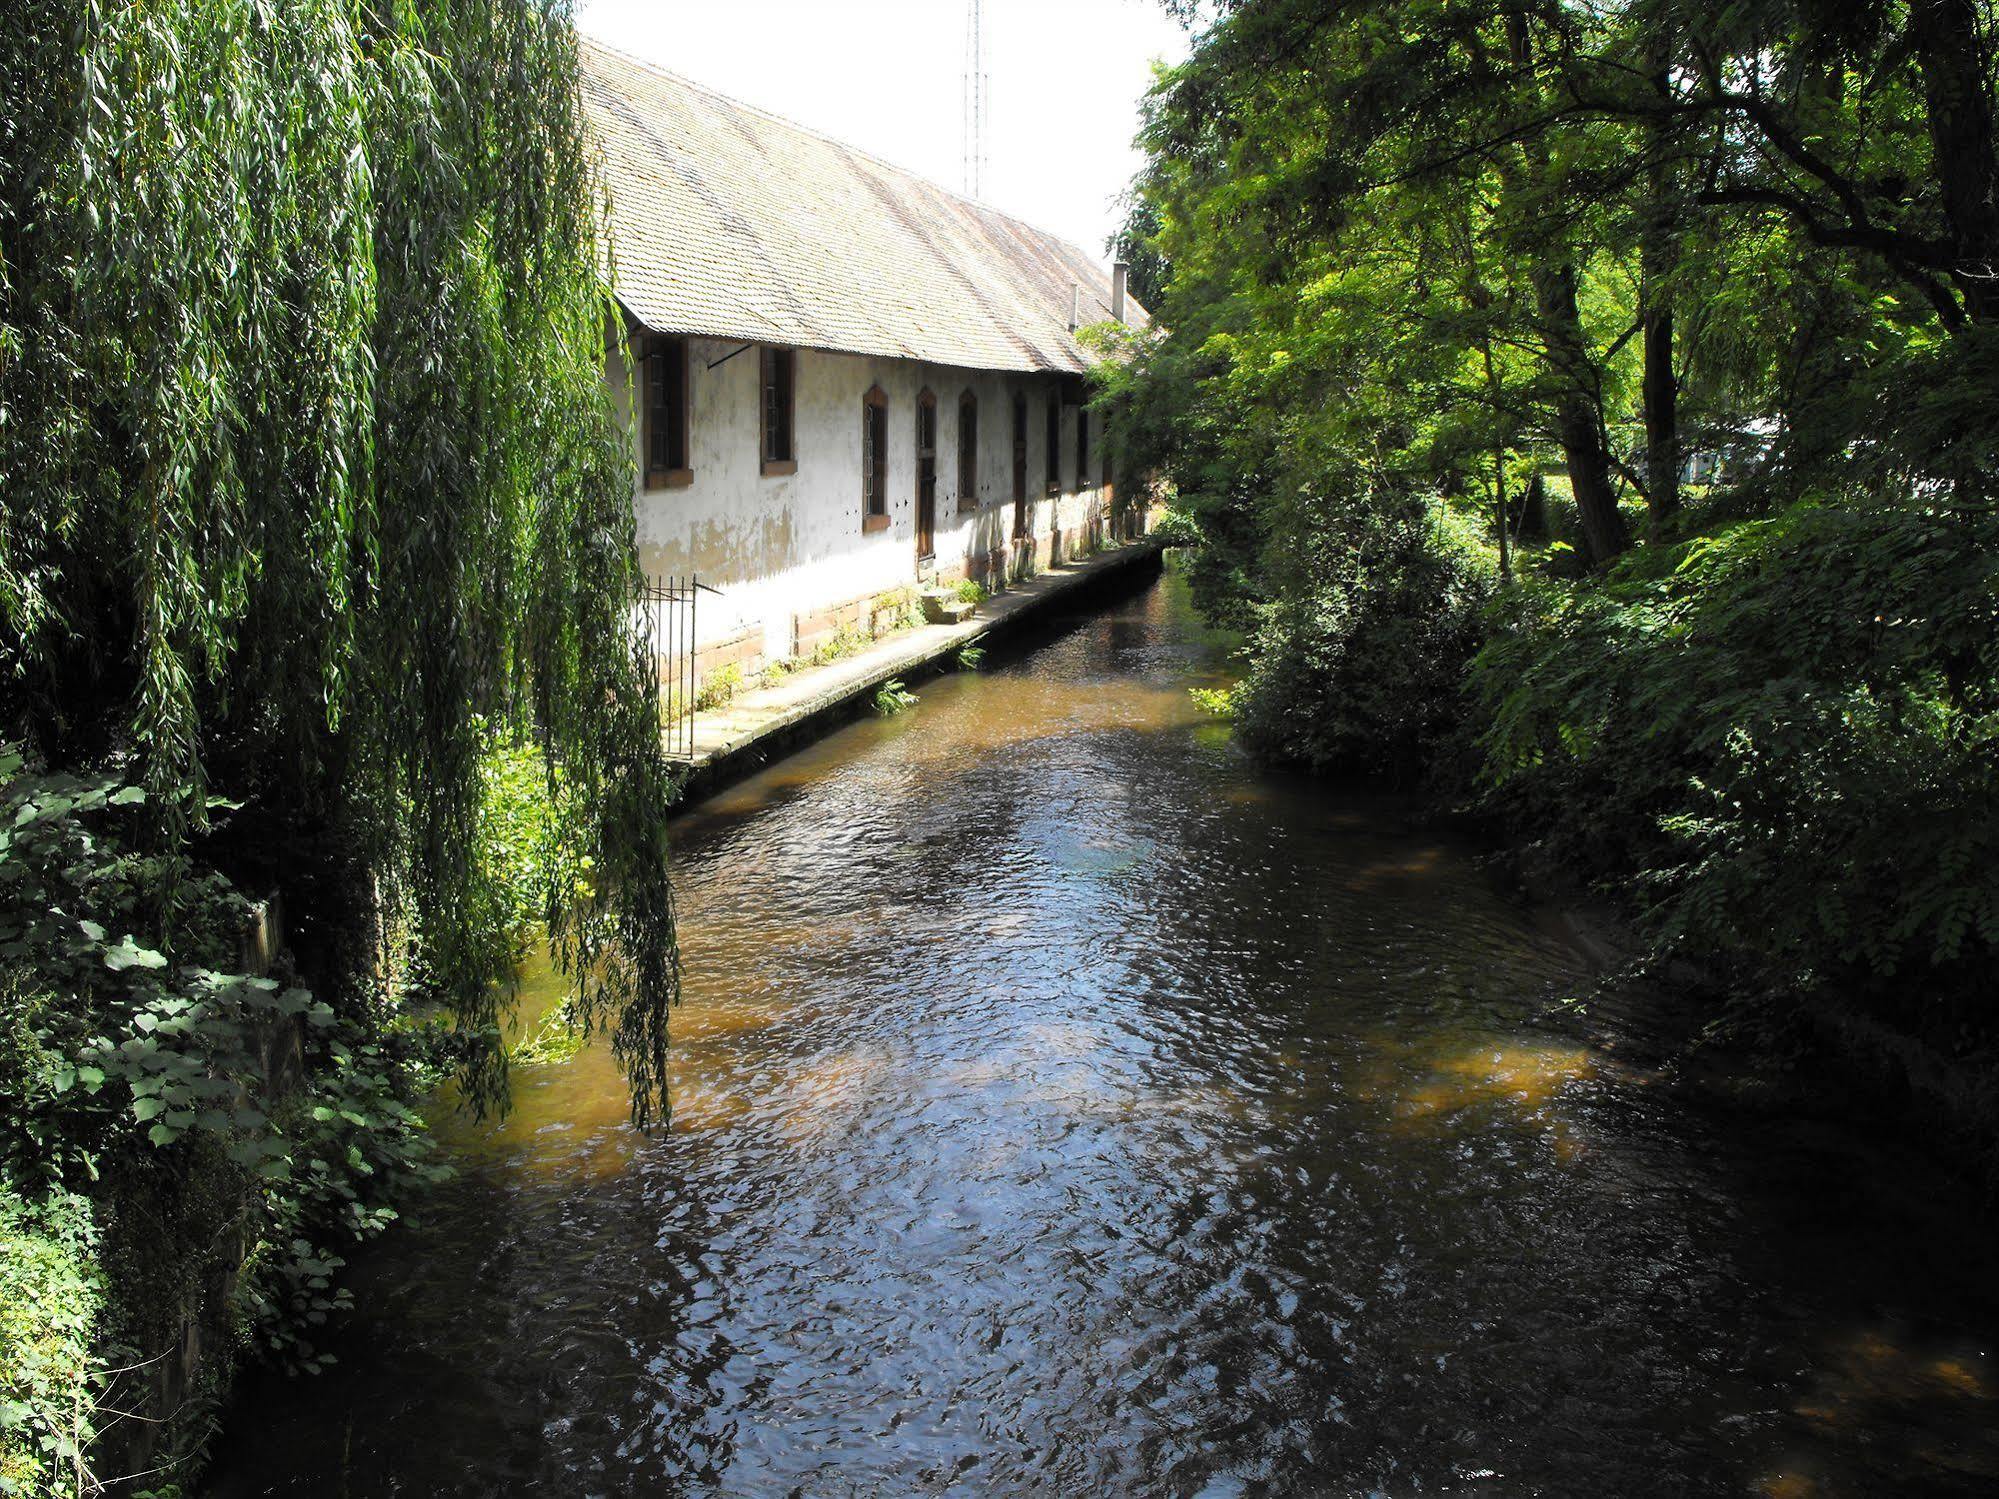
x: 1064, y: 1106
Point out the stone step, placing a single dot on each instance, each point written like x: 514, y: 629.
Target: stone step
x: 943, y: 607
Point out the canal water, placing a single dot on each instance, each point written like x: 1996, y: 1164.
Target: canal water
x: 1064, y: 1106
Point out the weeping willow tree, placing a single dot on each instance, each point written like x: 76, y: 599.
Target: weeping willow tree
x: 311, y: 479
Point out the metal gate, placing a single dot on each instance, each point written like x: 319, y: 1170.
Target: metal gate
x: 669, y: 629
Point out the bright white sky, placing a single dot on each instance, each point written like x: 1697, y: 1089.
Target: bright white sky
x: 888, y: 76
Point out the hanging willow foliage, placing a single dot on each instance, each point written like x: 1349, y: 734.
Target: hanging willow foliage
x: 311, y: 476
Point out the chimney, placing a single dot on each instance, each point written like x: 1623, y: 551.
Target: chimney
x: 1075, y: 305
x: 1120, y: 277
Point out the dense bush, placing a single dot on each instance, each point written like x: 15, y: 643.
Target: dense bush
x: 50, y: 1298
x: 206, y: 1112
x: 1785, y: 735
x: 1359, y: 661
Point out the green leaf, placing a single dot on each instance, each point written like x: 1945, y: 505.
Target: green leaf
x: 128, y: 954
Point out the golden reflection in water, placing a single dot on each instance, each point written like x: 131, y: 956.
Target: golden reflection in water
x: 1422, y: 864
x: 722, y: 1020
x: 1786, y: 1486
x: 1419, y: 1081
x: 1934, y: 1407
x: 1527, y: 1077
x: 1006, y: 711
x: 701, y: 1108
x: 1430, y: 1086
x: 571, y: 1122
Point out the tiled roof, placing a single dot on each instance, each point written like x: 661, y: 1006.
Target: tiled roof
x: 727, y: 222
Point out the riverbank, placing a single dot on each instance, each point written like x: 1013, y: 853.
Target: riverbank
x: 1818, y: 1060
x: 751, y: 729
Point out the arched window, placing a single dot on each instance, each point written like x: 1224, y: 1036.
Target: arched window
x: 874, y: 460
x: 968, y: 451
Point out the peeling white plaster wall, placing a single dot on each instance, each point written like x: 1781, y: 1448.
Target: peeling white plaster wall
x: 780, y: 546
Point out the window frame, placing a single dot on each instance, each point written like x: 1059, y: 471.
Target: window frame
x: 874, y: 461
x: 926, y: 409
x: 1020, y: 426
x: 655, y: 351
x: 1082, y: 449
x: 968, y: 451
x: 1053, y: 466
x: 771, y: 359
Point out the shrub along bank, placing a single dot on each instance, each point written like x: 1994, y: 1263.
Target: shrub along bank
x: 193, y: 1144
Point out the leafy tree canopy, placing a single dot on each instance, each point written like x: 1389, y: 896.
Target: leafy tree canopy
x: 1591, y: 407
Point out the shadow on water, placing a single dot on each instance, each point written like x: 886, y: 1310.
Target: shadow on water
x: 1063, y: 1106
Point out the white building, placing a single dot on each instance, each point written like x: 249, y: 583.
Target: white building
x: 850, y: 380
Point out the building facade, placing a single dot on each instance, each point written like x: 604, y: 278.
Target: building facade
x: 842, y: 382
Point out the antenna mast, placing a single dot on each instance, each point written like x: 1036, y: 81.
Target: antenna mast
x: 977, y: 82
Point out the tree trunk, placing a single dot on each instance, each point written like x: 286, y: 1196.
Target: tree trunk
x: 1662, y: 412
x: 1578, y: 417
x: 1492, y: 386
x: 1657, y: 257
x: 1949, y: 51
x: 1578, y: 422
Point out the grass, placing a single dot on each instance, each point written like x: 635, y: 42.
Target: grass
x: 720, y: 688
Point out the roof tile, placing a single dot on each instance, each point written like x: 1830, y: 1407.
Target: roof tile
x: 727, y: 222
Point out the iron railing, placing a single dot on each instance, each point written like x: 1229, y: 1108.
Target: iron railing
x: 670, y: 622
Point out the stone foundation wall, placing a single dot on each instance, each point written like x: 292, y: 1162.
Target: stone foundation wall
x: 871, y: 615
x: 744, y: 650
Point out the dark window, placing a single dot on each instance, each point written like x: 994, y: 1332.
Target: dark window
x: 663, y: 373
x: 926, y: 474
x: 874, y: 460
x: 1082, y: 448
x: 1054, y: 443
x: 968, y: 451
x: 1019, y: 464
x: 780, y: 369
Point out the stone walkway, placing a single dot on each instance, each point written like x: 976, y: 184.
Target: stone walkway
x: 736, y: 738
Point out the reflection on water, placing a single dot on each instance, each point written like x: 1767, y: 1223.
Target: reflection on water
x: 1061, y: 1106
